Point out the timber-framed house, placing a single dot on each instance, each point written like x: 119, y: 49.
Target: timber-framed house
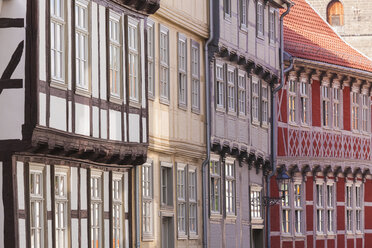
x: 74, y: 120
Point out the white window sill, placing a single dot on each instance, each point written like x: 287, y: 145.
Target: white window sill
x: 193, y: 236
x: 58, y: 84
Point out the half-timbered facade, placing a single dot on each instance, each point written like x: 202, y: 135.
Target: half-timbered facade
x: 243, y: 68
x: 324, y: 139
x: 74, y: 120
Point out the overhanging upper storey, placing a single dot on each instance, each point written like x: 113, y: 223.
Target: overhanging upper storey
x: 144, y: 6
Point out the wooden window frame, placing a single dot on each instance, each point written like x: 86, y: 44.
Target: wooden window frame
x: 164, y: 66
x: 147, y: 201
x: 195, y: 76
x: 151, y: 58
x: 182, y: 70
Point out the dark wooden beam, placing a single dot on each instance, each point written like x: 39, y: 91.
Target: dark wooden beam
x: 11, y: 22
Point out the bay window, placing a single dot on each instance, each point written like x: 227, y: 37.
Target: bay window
x: 57, y: 40
x: 115, y: 54
x: 133, y: 59
x: 82, y: 43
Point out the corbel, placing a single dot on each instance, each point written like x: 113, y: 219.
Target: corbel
x: 369, y: 88
x: 251, y: 160
x: 366, y: 172
x: 225, y: 150
x: 242, y: 61
x: 363, y: 82
x: 304, y: 171
x: 337, y: 171
x: 250, y: 65
x: 316, y: 169
x: 233, y: 56
x: 342, y: 80
x: 258, y: 70
x: 294, y: 168
x: 321, y: 76
x: 347, y: 171
x: 258, y: 164
x: 266, y: 75
x: 234, y: 150
x: 327, y: 170
x: 216, y: 146
x: 242, y: 156
x: 310, y: 74
x: 274, y: 80
x: 223, y: 52
x: 352, y: 81
x: 356, y: 172
x: 298, y: 71
x: 332, y: 77
x: 267, y: 167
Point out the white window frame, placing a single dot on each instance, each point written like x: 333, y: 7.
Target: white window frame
x: 227, y: 9
x: 82, y: 60
x: 330, y: 206
x: 182, y: 70
x: 286, y: 217
x: 365, y: 112
x: 220, y: 86
x: 336, y: 107
x: 181, y: 199
x: 260, y: 17
x: 57, y: 44
x: 115, y: 44
x: 255, y: 98
x: 134, y: 51
x: 151, y: 58
x: 242, y: 93
x: 349, y: 201
x: 256, y: 204
x: 304, y: 102
x: 326, y: 105
x: 231, y: 103
x: 215, y: 185
x: 265, y: 105
x: 147, y: 201
x: 272, y: 26
x: 292, y: 104
x: 298, y: 208
x: 96, y: 208
x: 117, y: 210
x: 61, y: 200
x: 195, y: 76
x: 193, y: 202
x: 230, y: 186
x: 354, y: 111
x: 243, y: 6
x: 164, y: 64
x: 166, y: 184
x: 320, y: 208
x: 37, y: 201
x: 359, y: 208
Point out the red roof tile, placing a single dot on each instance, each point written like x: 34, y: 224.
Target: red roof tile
x: 308, y: 36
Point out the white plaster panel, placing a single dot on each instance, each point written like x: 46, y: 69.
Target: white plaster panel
x: 107, y: 233
x: 102, y: 35
x: 20, y: 185
x: 115, y: 125
x: 94, y: 52
x: 82, y: 119
x: 57, y: 113
x: 125, y: 127
x: 48, y: 189
x: 106, y: 191
x: 95, y: 119
x: 1, y: 207
x: 126, y: 192
x: 69, y: 45
x: 144, y: 130
x: 134, y: 128
x: 42, y: 109
x: 83, y: 189
x: 126, y: 233
x: 42, y: 40
x: 103, y: 124
x: 75, y: 233
x: 74, y: 188
x: 21, y: 233
x: 70, y: 116
x: 143, y: 65
x: 11, y: 116
x: 84, y: 233
x: 50, y: 231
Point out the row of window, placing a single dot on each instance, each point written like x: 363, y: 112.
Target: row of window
x: 293, y: 208
x: 183, y: 65
x: 62, y: 203
x: 234, y: 81
x: 83, y: 36
x: 186, y: 193
x: 260, y: 17
x: 299, y: 99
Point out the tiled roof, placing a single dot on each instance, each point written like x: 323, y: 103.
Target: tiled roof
x: 308, y: 36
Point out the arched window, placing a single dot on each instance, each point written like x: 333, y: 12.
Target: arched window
x: 335, y: 13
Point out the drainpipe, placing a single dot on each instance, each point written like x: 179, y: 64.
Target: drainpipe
x: 273, y: 117
x: 208, y: 128
x: 138, y: 243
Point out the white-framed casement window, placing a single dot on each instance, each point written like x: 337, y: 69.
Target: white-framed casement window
x: 319, y: 207
x: 115, y: 54
x: 358, y: 208
x: 242, y: 93
x: 260, y: 19
x: 326, y: 101
x: 230, y: 186
x: 181, y: 199
x: 166, y: 184
x: 227, y: 8
x: 272, y: 25
x: 292, y: 101
x: 256, y: 199
x: 215, y: 186
x: 195, y: 76
x: 231, y: 89
x: 298, y: 207
x: 336, y: 101
x: 151, y: 57
x: 82, y: 43
x: 193, y: 205
x: 117, y: 210
x: 243, y: 5
x: 164, y: 63
x: 365, y: 111
x: 182, y: 70
x: 57, y: 40
x: 349, y: 207
x: 133, y: 58
x: 61, y: 207
x: 330, y: 208
x: 304, y: 98
x: 255, y: 98
x: 37, y: 230
x: 96, y: 200
x: 220, y: 86
x: 286, y: 210
x: 265, y: 106
x: 354, y: 110
x: 147, y: 200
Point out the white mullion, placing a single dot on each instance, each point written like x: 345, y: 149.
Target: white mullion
x: 57, y: 40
